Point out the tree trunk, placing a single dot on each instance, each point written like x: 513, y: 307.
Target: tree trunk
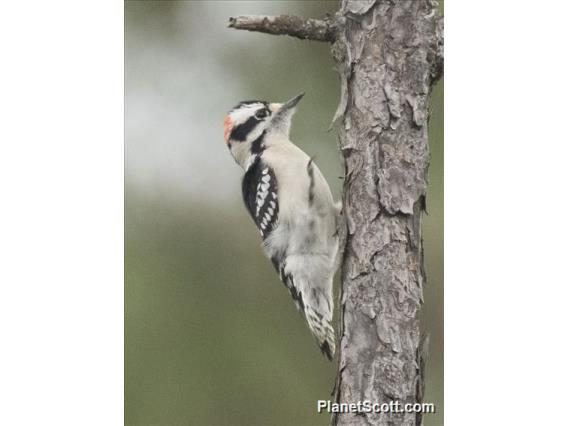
x: 389, y: 54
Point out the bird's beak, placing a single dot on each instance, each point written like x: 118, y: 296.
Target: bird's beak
x: 292, y: 102
x: 282, y: 117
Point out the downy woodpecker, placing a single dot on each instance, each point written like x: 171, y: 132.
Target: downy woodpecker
x: 292, y: 206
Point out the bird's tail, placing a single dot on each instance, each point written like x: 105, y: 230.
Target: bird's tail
x: 318, y: 311
x: 315, y: 303
x: 322, y: 330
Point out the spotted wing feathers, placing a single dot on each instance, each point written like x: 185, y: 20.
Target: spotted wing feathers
x: 260, y: 194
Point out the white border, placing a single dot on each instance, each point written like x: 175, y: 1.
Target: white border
x: 61, y: 226
x: 505, y: 200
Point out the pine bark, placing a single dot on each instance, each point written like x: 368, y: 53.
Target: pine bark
x: 389, y: 53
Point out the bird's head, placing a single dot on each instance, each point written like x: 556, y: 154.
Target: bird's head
x: 248, y: 124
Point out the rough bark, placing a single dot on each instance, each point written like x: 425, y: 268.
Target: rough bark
x: 389, y: 53
x: 295, y: 26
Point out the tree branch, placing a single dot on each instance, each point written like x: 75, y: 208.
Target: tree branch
x: 294, y: 26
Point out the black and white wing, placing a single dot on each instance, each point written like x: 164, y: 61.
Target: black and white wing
x: 260, y: 194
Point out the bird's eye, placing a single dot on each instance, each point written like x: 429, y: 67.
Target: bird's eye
x: 261, y: 113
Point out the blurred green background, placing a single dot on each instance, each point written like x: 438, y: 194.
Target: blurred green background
x: 211, y: 335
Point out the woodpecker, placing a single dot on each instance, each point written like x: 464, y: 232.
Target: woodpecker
x: 292, y: 206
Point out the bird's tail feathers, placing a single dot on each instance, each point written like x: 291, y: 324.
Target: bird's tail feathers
x: 322, y: 330
x: 315, y: 305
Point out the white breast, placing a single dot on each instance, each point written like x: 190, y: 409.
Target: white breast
x: 301, y: 226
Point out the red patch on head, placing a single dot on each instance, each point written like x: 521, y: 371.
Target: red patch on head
x: 228, y: 128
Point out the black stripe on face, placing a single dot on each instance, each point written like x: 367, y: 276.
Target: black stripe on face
x: 257, y: 147
x: 241, y: 131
